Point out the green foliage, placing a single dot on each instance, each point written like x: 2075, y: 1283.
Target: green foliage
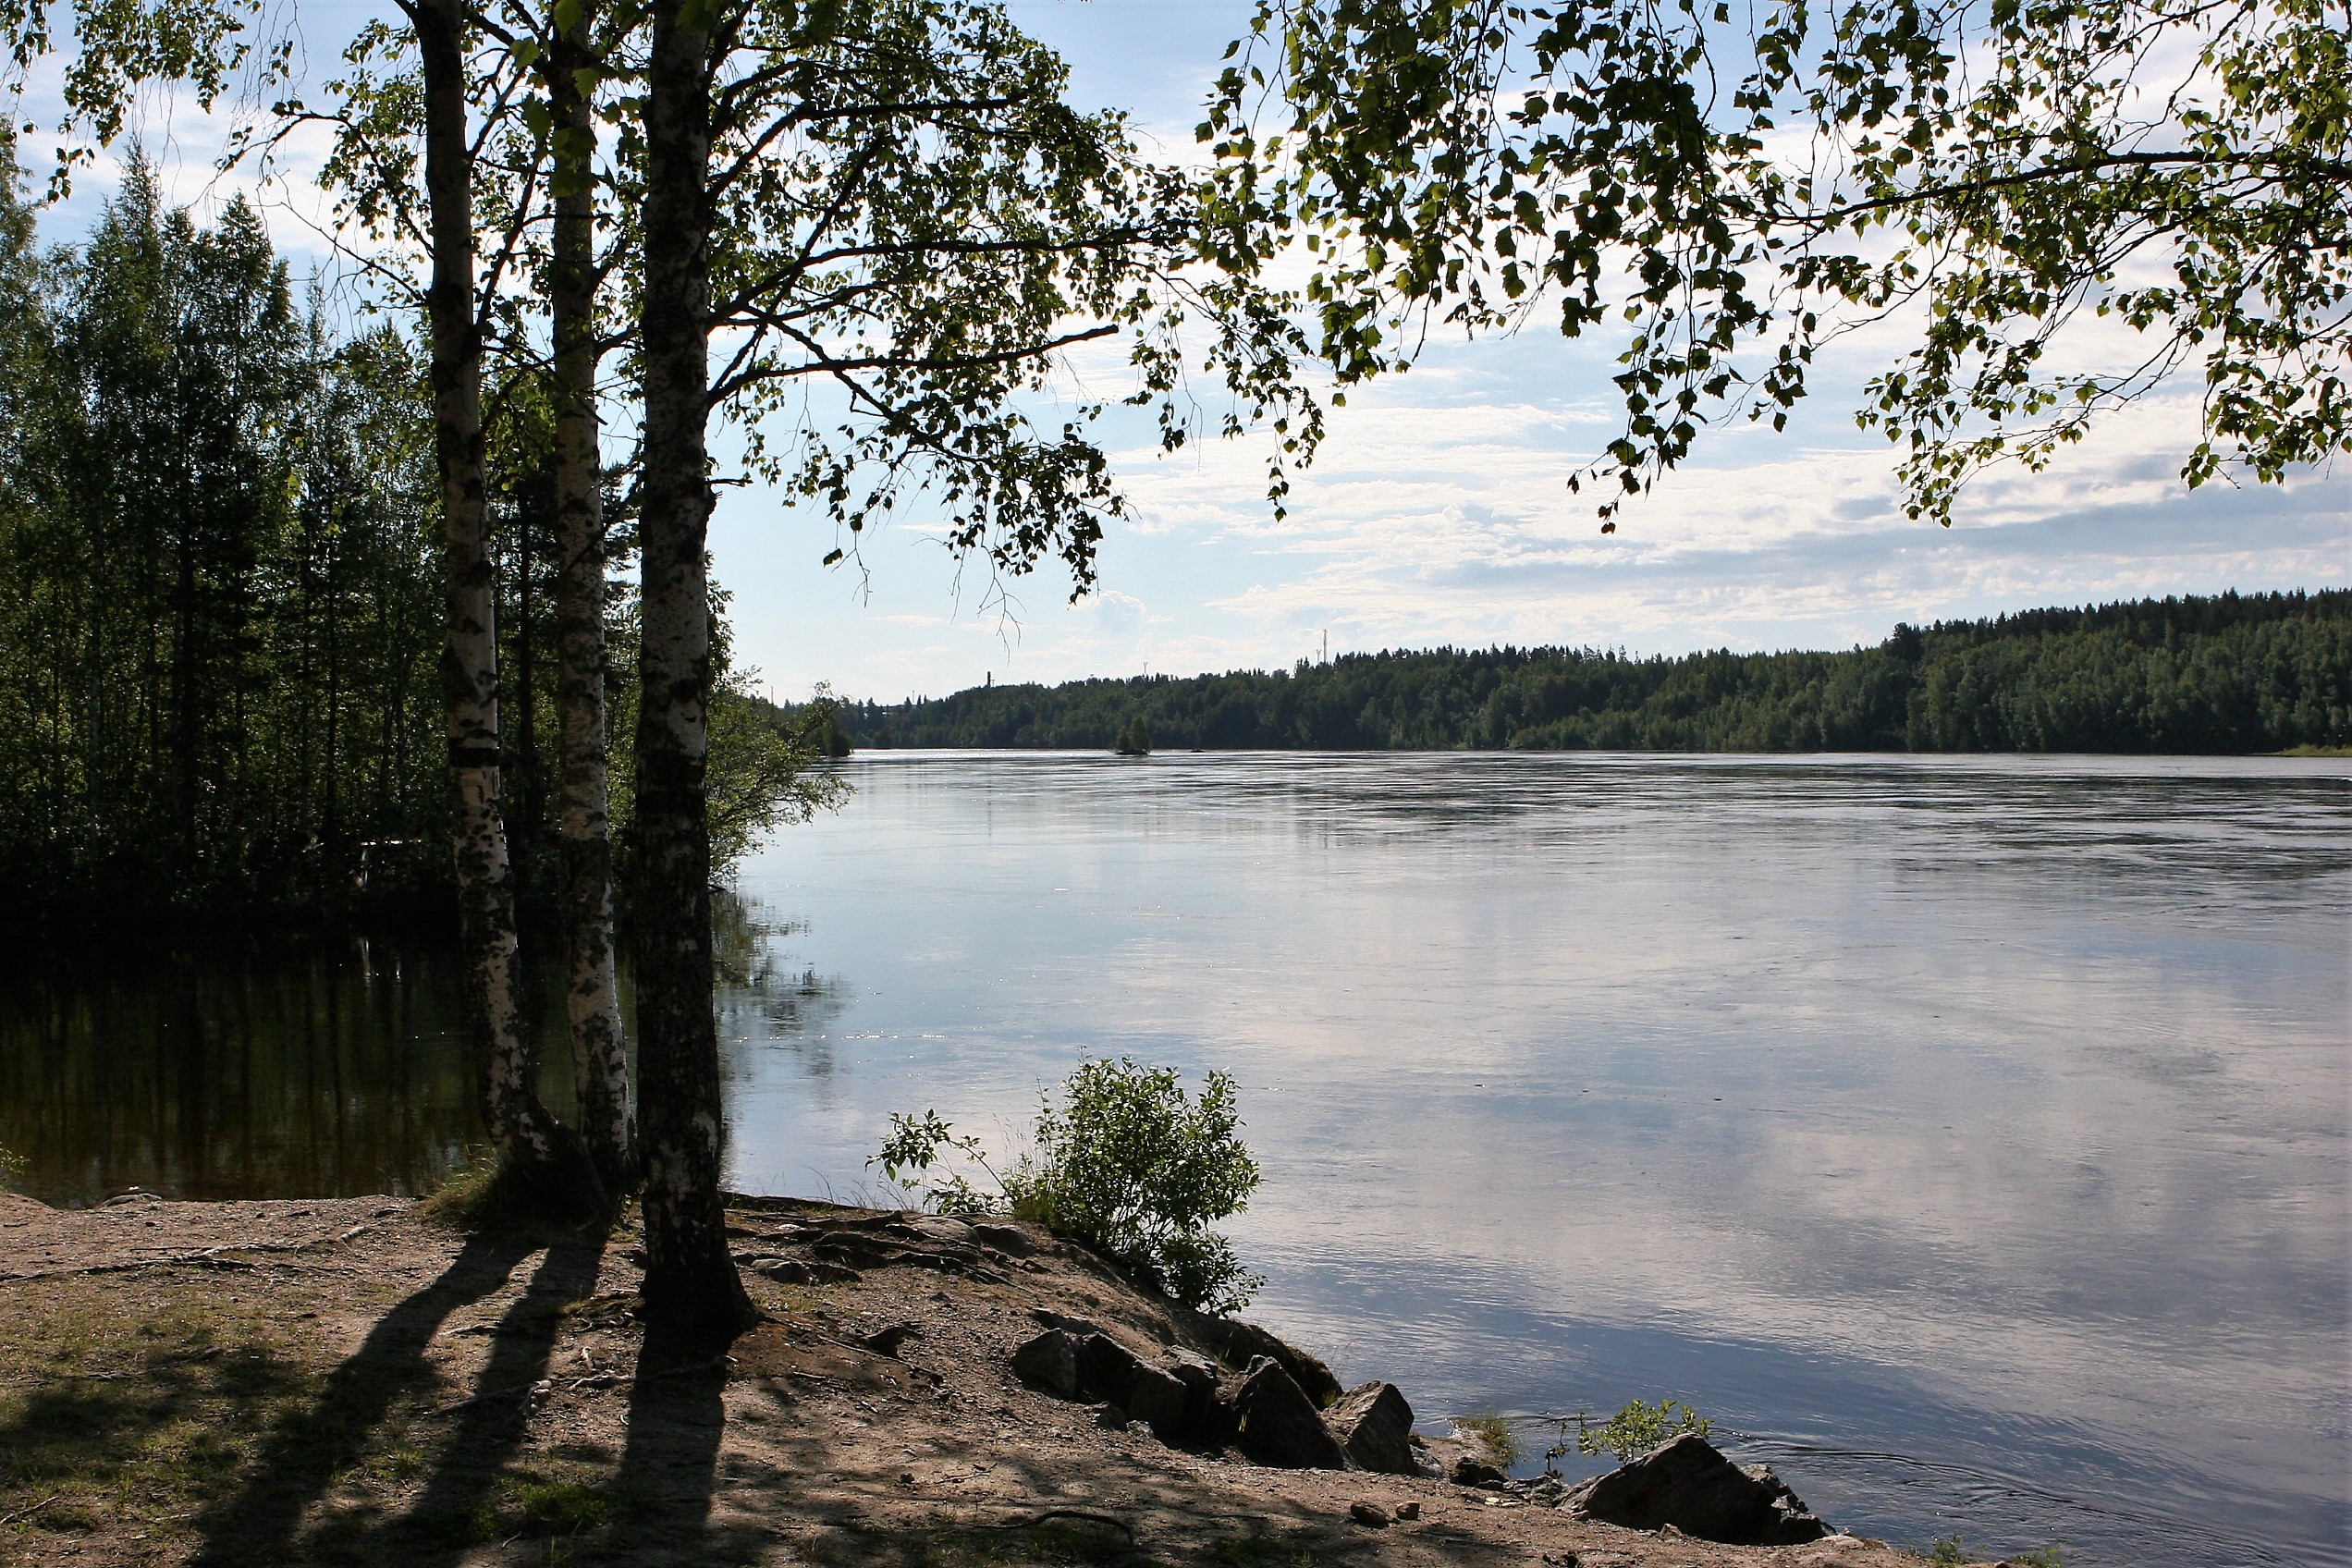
x: 1134, y: 739
x: 1137, y: 1168
x: 1639, y: 1428
x: 1949, y: 1551
x: 2230, y: 674
x: 2051, y: 1556
x: 1725, y: 189
x: 916, y: 1156
x: 13, y: 1167
x: 1126, y: 1160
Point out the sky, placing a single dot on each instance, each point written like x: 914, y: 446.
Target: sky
x: 1437, y: 512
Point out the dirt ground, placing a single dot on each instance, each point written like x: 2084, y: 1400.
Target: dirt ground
x: 350, y: 1382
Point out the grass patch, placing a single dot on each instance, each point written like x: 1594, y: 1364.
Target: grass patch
x: 134, y: 1416
x: 529, y: 1505
x: 2302, y: 752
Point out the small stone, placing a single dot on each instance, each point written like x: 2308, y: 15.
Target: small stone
x: 1469, y: 1472
x: 1369, y: 1514
x: 1409, y: 1509
x: 1110, y: 1418
x: 885, y: 1341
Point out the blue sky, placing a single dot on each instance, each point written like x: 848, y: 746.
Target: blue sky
x: 1439, y: 512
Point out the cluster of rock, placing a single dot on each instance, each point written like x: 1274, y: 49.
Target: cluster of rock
x: 1278, y: 1406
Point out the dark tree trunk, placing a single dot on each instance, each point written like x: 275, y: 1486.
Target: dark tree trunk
x: 600, y: 1065
x: 542, y: 1151
x: 690, y: 1284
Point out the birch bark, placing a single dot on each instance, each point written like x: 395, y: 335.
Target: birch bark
x: 600, y: 1063
x: 690, y: 1284
x: 529, y: 1140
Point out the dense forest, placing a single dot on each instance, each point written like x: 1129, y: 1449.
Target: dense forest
x: 2227, y: 674
x: 220, y: 645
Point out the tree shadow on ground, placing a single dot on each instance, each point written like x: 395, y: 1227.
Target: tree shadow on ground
x: 308, y: 1451
x: 459, y: 1505
x: 670, y: 1457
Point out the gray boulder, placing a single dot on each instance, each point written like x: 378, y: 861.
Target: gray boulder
x: 1106, y: 1369
x: 1688, y: 1485
x: 1048, y: 1364
x: 1274, y: 1422
x: 1159, y: 1398
x: 1374, y: 1426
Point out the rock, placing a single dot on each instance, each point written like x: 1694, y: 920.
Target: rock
x: 1160, y: 1399
x: 1687, y: 1485
x: 1375, y: 1426
x: 1198, y: 1374
x: 1370, y: 1514
x: 791, y: 1271
x: 941, y: 1228
x: 1106, y: 1369
x: 885, y: 1341
x: 1110, y: 1418
x: 1240, y: 1343
x: 1275, y: 1423
x: 1005, y: 1238
x: 1078, y: 1327
x: 1469, y: 1472
x: 1409, y: 1509
x: 1049, y: 1364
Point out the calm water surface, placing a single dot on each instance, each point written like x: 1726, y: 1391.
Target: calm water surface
x: 1968, y: 1136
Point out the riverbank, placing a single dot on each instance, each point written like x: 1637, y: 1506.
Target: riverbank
x: 350, y: 1382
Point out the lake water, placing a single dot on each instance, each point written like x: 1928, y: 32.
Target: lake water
x: 1967, y: 1137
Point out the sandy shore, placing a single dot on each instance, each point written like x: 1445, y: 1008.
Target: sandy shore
x: 350, y: 1383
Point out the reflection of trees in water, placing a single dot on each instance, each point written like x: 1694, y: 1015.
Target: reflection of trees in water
x: 327, y: 1073
x: 765, y: 995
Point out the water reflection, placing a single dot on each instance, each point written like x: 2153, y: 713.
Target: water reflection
x: 330, y: 1074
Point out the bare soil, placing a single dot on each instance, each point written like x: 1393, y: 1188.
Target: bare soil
x: 350, y: 1382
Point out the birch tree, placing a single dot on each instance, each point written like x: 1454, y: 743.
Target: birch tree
x: 899, y: 229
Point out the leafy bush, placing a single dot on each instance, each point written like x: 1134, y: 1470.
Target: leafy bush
x: 1126, y: 1161
x: 1639, y: 1428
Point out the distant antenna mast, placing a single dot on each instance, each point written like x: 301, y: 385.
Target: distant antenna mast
x: 1327, y: 644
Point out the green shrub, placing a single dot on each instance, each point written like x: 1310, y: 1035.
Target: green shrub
x: 1639, y: 1428
x: 1126, y: 1161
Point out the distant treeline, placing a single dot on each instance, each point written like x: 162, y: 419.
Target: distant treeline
x: 2234, y: 673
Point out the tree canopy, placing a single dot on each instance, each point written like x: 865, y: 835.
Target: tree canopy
x: 1736, y: 186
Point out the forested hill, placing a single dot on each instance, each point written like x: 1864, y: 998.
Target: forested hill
x: 2228, y: 674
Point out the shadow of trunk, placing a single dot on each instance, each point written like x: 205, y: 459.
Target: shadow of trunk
x: 307, y: 1451
x: 669, y: 1459
x: 491, y: 1425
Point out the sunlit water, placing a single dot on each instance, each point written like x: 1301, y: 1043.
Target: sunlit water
x: 1967, y: 1136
